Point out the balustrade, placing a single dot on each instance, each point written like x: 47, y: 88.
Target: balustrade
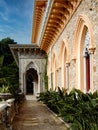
x: 7, y: 113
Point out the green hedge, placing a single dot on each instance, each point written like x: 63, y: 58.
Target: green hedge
x: 76, y: 108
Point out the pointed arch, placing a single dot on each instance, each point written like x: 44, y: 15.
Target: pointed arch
x: 83, y: 49
x: 64, y: 45
x: 64, y: 59
x: 83, y: 21
x: 32, y: 65
x: 31, y: 78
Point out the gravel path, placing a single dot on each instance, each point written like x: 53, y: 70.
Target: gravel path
x: 34, y: 115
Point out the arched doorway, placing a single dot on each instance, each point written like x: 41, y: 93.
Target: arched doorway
x: 29, y: 84
x: 31, y: 81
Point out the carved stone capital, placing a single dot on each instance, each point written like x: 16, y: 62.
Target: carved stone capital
x: 67, y: 64
x: 92, y: 50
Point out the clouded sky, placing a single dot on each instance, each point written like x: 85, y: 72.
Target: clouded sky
x: 16, y: 17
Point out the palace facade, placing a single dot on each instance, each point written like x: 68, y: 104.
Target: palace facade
x: 67, y: 31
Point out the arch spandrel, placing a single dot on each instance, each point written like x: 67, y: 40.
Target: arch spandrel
x: 32, y: 65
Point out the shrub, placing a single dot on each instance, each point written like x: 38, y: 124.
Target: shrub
x: 76, y: 108
x: 4, y: 89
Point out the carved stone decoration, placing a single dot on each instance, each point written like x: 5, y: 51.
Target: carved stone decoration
x: 31, y: 60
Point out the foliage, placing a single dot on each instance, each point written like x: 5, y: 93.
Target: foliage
x: 4, y: 89
x: 76, y: 108
x: 1, y: 60
x: 45, y: 75
x: 14, y: 90
x: 9, y: 72
x: 5, y: 50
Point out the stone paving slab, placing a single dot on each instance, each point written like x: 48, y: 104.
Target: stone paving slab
x: 34, y: 115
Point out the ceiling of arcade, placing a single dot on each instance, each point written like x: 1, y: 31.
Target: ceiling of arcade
x: 40, y: 7
x: 60, y: 13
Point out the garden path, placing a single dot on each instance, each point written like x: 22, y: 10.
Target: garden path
x: 34, y: 115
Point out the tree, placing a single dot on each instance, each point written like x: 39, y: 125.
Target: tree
x: 9, y: 72
x: 5, y: 50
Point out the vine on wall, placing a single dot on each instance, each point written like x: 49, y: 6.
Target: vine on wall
x: 45, y: 74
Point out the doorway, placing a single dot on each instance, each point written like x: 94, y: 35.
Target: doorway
x: 31, y: 81
x: 29, y: 84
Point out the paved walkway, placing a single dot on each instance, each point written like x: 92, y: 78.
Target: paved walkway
x: 34, y: 115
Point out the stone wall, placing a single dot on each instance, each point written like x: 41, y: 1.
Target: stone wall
x: 88, y: 8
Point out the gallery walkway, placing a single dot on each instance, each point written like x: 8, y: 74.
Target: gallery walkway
x: 34, y: 115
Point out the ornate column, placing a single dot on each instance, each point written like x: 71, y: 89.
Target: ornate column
x: 67, y: 75
x: 50, y: 80
x: 59, y: 77
x: 51, y: 77
x: 91, y: 52
x: 85, y: 82
x: 57, y: 73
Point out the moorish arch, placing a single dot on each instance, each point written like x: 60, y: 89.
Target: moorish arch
x: 54, y: 70
x: 32, y: 65
x: 83, y: 51
x: 31, y: 79
x: 64, y: 63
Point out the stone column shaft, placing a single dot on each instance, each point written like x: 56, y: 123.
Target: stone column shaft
x: 91, y: 51
x: 85, y: 82
x: 67, y: 75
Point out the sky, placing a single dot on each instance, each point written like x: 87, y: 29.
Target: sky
x: 16, y: 18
